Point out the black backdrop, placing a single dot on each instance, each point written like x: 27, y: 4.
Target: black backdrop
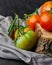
x: 20, y: 7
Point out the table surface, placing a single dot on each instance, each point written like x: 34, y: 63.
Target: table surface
x: 20, y: 7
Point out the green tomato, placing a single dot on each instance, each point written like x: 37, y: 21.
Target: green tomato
x: 27, y: 41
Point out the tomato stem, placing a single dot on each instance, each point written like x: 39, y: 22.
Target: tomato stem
x: 51, y: 10
x: 11, y: 26
x: 36, y: 11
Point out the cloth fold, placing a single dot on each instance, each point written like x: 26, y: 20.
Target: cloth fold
x: 9, y: 51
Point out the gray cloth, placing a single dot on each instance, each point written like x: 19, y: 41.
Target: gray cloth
x: 9, y: 51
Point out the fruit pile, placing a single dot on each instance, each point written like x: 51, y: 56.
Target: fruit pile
x: 32, y: 29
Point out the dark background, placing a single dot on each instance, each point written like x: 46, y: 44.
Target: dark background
x: 20, y: 7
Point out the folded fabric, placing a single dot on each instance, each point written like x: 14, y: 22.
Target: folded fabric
x: 9, y: 51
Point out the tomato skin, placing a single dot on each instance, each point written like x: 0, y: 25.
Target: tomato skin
x: 46, y: 21
x: 27, y: 41
x: 46, y: 6
x: 32, y: 20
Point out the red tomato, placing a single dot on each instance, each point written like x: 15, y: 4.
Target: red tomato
x: 46, y: 21
x: 32, y: 20
x: 46, y: 6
